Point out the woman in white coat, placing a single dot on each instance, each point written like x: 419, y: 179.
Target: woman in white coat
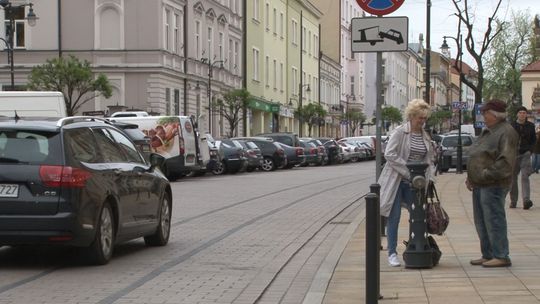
x: 408, y: 142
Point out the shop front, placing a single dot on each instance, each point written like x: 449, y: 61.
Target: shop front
x: 263, y: 116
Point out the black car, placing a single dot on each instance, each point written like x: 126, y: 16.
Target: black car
x: 311, y: 153
x: 332, y: 149
x: 273, y: 155
x: 232, y: 158
x: 323, y: 152
x: 253, y: 155
x: 141, y: 140
x: 80, y: 182
x: 295, y: 155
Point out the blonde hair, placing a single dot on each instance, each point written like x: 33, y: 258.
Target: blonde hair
x: 417, y: 107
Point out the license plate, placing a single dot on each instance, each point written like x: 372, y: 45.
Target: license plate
x: 9, y: 190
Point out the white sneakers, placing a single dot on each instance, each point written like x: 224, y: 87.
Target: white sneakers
x: 393, y: 260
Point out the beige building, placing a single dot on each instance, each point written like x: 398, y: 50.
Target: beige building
x: 161, y: 56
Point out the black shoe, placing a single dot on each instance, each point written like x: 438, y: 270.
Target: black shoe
x: 512, y: 205
x: 527, y: 204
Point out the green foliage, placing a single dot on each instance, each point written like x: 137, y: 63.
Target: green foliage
x: 230, y: 108
x: 354, y: 118
x: 438, y: 117
x: 72, y: 77
x: 310, y: 114
x: 392, y: 115
x: 509, y: 53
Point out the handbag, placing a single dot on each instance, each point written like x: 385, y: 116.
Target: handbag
x: 437, y: 219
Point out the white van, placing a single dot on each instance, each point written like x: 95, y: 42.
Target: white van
x: 176, y: 139
x: 32, y: 103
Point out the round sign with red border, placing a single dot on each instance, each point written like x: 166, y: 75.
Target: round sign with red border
x: 380, y: 7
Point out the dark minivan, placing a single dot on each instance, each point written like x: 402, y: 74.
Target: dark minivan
x: 81, y: 182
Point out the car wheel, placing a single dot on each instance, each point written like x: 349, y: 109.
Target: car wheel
x: 163, y: 231
x: 268, y: 164
x: 101, y: 250
x: 219, y: 168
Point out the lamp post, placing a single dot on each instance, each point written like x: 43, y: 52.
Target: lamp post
x: 10, y: 11
x: 445, y: 48
x: 211, y: 65
x: 300, y: 96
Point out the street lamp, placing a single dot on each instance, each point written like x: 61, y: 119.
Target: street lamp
x: 10, y: 11
x: 445, y: 48
x: 300, y: 118
x: 211, y: 65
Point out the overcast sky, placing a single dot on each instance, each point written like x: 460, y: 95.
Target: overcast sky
x: 444, y: 22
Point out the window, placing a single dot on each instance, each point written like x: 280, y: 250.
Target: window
x: 110, y: 151
x: 167, y: 30
x: 236, y: 48
x: 177, y: 32
x: 82, y: 145
x: 210, y: 38
x: 294, y: 80
x: 255, y: 64
x: 220, y: 46
x: 275, y: 74
x: 231, y: 61
x: 176, y: 102
x: 256, y: 4
x: 18, y: 31
x: 198, y: 39
x: 304, y: 30
x: 267, y: 16
x: 127, y: 146
x: 168, y: 101
x: 266, y: 71
x: 316, y: 45
x: 281, y: 76
x: 274, y: 25
x: 281, y: 22
x: 294, y: 25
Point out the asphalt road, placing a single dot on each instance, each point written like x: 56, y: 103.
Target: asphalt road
x: 245, y: 238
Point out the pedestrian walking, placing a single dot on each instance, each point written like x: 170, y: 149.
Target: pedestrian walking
x: 536, y: 152
x: 408, y: 142
x: 489, y: 176
x: 527, y: 140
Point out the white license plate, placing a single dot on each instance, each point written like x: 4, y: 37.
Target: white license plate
x: 9, y: 190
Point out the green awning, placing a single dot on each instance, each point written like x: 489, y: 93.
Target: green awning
x: 262, y: 105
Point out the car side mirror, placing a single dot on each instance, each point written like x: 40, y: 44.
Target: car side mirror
x: 156, y: 160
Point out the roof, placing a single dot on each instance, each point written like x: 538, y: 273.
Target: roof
x: 532, y: 67
x: 467, y: 70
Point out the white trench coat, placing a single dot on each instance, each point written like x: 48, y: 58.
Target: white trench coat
x: 396, y: 154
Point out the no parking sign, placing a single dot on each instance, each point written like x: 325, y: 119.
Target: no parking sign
x: 380, y: 7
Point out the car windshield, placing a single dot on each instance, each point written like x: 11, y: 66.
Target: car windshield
x: 35, y: 147
x: 452, y: 141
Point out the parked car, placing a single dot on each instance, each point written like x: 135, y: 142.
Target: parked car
x: 323, y: 153
x: 232, y: 157
x: 332, y: 149
x: 295, y: 155
x: 81, y: 182
x: 273, y: 155
x: 141, y: 140
x: 351, y: 153
x: 311, y: 153
x: 288, y: 138
x: 253, y: 155
x: 448, y: 150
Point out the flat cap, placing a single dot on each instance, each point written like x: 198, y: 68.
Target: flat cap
x: 495, y: 105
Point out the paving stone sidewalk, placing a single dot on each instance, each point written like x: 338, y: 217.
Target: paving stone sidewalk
x: 454, y: 280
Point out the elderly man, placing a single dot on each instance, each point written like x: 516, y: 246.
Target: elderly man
x: 489, y: 176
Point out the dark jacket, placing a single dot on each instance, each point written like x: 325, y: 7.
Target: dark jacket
x: 527, y: 136
x: 492, y: 156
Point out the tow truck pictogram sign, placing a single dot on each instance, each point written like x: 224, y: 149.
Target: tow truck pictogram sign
x: 386, y: 34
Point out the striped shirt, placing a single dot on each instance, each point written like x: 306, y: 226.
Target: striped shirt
x: 418, y: 148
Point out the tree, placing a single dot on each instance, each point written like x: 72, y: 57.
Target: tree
x: 510, y: 52
x: 230, y: 107
x: 466, y: 17
x: 438, y: 117
x: 311, y: 114
x: 72, y: 77
x: 354, y: 118
x: 391, y: 115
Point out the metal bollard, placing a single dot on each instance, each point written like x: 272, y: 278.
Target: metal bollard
x: 418, y: 253
x: 373, y: 241
x: 376, y: 188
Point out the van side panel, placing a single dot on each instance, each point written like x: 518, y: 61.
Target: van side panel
x: 189, y: 140
x: 32, y: 104
x: 166, y: 139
